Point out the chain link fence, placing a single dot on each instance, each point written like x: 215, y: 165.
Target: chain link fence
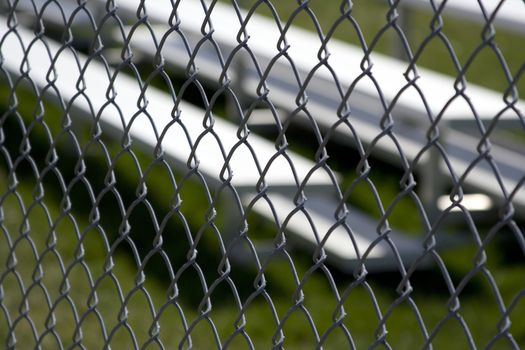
x: 258, y: 174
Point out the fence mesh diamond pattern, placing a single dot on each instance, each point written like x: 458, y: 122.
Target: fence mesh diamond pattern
x: 262, y: 174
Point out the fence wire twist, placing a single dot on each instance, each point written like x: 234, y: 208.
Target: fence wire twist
x: 145, y: 204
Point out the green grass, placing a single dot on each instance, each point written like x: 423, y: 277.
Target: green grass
x: 43, y: 250
x: 478, y: 307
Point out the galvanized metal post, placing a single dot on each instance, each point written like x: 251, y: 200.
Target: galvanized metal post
x: 433, y: 180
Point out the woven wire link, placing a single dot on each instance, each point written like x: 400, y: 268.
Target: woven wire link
x: 110, y: 241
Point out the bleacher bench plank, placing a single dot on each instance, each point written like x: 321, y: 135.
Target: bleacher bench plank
x: 410, y: 113
x: 145, y: 130
x: 148, y: 128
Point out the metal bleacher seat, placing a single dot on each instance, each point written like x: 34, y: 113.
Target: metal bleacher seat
x: 223, y: 154
x: 382, y: 90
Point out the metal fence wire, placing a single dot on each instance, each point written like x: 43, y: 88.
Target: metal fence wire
x: 262, y: 174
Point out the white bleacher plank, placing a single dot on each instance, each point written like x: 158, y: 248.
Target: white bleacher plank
x: 339, y: 247
x: 339, y: 242
x: 146, y: 131
x: 438, y: 89
x: 510, y: 15
x: 177, y: 149
x: 345, y: 60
